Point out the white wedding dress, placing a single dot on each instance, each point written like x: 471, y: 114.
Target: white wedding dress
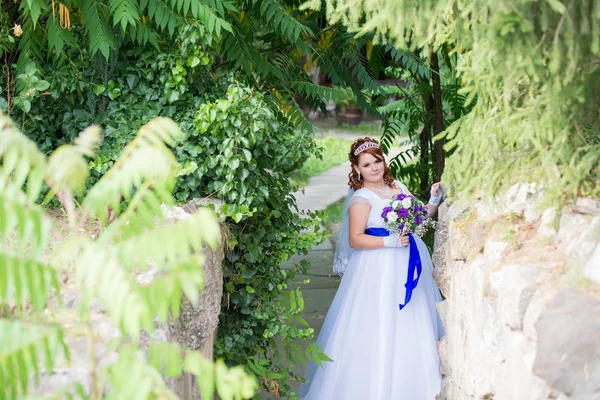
x: 379, y: 352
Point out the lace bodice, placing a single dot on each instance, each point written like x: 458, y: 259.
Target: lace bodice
x: 377, y: 204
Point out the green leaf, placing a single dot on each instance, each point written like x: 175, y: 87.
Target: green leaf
x: 99, y: 89
x: 557, y: 6
x: 193, y: 61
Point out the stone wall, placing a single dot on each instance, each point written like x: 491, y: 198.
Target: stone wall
x: 522, y: 288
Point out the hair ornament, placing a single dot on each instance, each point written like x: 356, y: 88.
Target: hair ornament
x: 364, y: 146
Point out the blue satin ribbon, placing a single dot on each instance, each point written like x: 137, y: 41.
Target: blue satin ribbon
x: 414, y: 263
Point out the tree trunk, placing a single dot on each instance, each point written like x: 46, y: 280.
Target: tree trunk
x: 424, y: 144
x: 438, y: 118
x: 196, y: 327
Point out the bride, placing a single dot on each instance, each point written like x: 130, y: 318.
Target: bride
x: 379, y: 351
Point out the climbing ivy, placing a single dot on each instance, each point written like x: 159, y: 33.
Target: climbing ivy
x: 240, y: 153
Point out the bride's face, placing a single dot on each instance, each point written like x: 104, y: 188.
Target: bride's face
x: 371, y: 168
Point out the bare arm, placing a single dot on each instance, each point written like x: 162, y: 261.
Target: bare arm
x: 431, y: 210
x: 359, y: 214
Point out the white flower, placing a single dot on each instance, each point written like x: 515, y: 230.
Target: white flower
x: 392, y: 217
x: 406, y: 203
x: 395, y: 204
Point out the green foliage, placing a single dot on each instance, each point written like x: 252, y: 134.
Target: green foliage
x: 105, y: 268
x: 532, y: 69
x: 7, y: 40
x: 241, y: 153
x: 407, y: 114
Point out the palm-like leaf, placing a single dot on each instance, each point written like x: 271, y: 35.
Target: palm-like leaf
x: 20, y: 350
x: 146, y: 160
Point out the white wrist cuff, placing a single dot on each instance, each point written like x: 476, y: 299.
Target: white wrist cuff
x: 392, y: 241
x: 435, y: 201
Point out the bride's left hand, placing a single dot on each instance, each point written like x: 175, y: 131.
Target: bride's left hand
x: 435, y: 188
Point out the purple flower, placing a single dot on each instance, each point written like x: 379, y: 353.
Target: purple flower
x: 411, y: 197
x: 403, y: 213
x: 418, y: 220
x: 417, y: 209
x: 385, y: 212
x: 401, y: 227
x: 401, y: 196
x: 425, y: 211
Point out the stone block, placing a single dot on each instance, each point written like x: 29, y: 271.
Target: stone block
x: 455, y: 210
x: 584, y: 240
x: 492, y: 252
x: 568, y: 347
x: 546, y: 227
x: 440, y: 243
x: 522, y: 199
x: 590, y: 390
x: 570, y: 227
x: 586, y: 205
x: 591, y: 269
x: 514, y: 285
x: 459, y: 244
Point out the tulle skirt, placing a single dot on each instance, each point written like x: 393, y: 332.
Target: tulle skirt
x: 379, y: 352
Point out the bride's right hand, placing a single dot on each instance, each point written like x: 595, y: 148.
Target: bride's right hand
x: 395, y: 240
x: 404, y: 240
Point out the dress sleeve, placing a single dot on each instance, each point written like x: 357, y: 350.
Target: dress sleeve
x: 360, y: 196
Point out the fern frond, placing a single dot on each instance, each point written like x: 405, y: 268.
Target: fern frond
x: 132, y: 367
x: 210, y: 13
x: 58, y: 36
x: 21, y: 216
x: 170, y: 244
x: 142, y: 34
x: 216, y: 377
x: 34, y: 10
x: 174, y: 252
x: 146, y: 160
x: 164, y: 293
x: 167, y: 357
x: 163, y: 14
x: 23, y: 280
x: 20, y: 159
x: 98, y: 28
x: 67, y: 168
x: 132, y: 304
x: 411, y: 62
x: 19, y: 349
x: 116, y: 289
x: 124, y: 12
x: 359, y: 66
x: 290, y: 109
x: 309, y: 89
x: 284, y: 24
x: 242, y: 54
x: 143, y: 212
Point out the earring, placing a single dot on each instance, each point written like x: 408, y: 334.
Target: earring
x: 359, y: 176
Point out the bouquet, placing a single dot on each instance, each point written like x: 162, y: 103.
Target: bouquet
x: 407, y: 214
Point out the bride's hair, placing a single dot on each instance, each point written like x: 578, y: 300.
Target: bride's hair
x: 353, y: 179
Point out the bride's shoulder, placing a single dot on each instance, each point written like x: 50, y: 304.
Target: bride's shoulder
x: 361, y: 194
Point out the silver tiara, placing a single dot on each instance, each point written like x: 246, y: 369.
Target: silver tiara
x: 364, y: 146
